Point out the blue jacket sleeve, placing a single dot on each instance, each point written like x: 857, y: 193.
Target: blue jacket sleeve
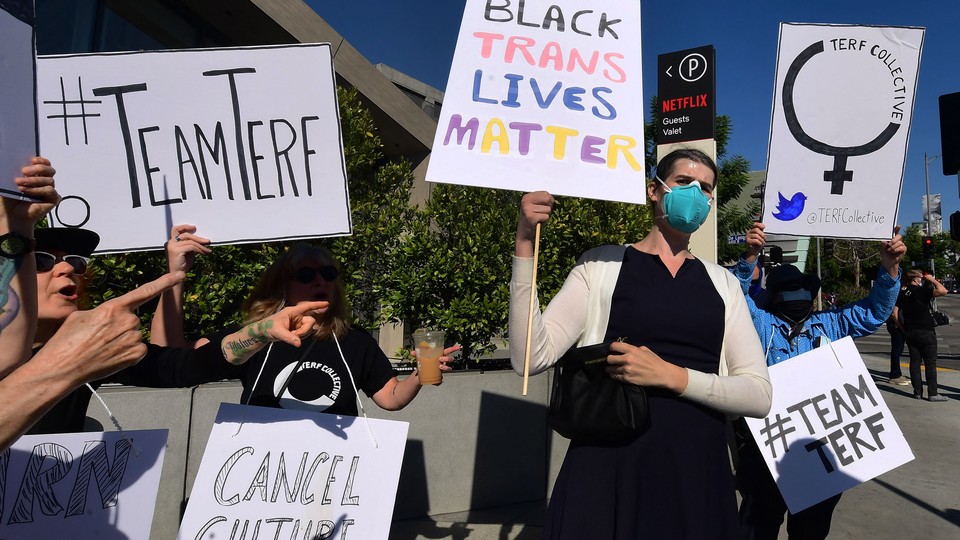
x: 865, y: 316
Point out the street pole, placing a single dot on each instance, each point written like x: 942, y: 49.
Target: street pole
x: 926, y: 175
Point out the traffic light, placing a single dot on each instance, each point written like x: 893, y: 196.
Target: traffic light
x: 828, y: 247
x: 926, y: 244
x: 955, y: 225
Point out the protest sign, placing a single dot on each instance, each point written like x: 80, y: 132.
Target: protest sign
x: 81, y: 485
x: 842, y: 108
x: 277, y: 473
x: 18, y: 128
x: 545, y: 95
x: 829, y: 428
x: 245, y: 143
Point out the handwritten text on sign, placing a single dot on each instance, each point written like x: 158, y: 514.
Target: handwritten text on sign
x: 829, y: 428
x: 283, y: 474
x: 244, y: 143
x: 843, y: 105
x: 545, y: 95
x: 81, y: 485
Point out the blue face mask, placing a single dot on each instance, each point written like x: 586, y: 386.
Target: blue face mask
x: 686, y: 207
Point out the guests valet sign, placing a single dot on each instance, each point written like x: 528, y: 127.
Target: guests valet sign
x: 829, y: 428
x: 843, y: 104
x: 276, y: 473
x: 245, y: 143
x: 545, y: 95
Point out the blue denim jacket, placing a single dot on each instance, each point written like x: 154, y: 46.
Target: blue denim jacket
x: 860, y: 318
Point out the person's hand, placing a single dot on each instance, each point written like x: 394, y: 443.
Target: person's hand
x: 892, y: 252
x: 755, y: 240
x: 293, y: 322
x: 643, y: 367
x: 37, y: 183
x: 183, y: 247
x: 535, y: 208
x: 445, y: 358
x: 95, y: 343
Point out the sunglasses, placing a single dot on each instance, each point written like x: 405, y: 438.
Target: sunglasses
x: 307, y: 274
x: 46, y: 262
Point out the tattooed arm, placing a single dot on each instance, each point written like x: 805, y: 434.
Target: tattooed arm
x: 289, y: 325
x: 18, y: 276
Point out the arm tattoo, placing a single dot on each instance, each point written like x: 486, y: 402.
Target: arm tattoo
x: 235, y: 350
x: 9, y: 301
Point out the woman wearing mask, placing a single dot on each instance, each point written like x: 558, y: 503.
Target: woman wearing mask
x: 326, y: 372
x: 689, y: 342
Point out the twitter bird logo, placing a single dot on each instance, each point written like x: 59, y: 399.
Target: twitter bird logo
x: 790, y: 209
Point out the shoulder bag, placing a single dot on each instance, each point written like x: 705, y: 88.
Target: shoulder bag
x: 585, y: 403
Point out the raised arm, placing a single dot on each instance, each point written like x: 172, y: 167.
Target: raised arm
x: 290, y: 324
x: 166, y: 327
x: 18, y: 270
x: 88, y: 346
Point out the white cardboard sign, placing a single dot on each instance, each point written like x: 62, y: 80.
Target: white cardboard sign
x: 245, y: 143
x: 81, y: 485
x: 545, y: 95
x: 276, y: 473
x: 18, y: 128
x: 842, y: 108
x: 829, y: 428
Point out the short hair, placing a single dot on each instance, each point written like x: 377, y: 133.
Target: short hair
x: 665, y: 166
x: 914, y: 274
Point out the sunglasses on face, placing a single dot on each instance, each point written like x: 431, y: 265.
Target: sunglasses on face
x: 307, y: 274
x: 46, y: 262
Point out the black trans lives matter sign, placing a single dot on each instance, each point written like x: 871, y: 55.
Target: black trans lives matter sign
x: 686, y: 87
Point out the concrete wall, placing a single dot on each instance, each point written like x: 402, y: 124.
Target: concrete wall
x: 474, y: 442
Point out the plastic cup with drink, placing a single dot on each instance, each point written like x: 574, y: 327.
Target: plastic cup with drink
x: 429, y: 347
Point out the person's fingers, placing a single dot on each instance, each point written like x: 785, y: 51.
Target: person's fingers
x: 303, y: 308
x: 137, y: 297
x: 284, y: 335
x: 450, y: 350
x: 305, y: 325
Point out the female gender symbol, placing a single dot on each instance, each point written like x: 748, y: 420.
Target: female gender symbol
x: 839, y: 174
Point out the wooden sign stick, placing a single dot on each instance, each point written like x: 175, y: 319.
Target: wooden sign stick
x: 533, y: 297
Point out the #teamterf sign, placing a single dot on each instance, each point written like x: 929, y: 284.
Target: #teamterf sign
x: 545, y: 95
x: 81, y: 485
x: 18, y: 128
x: 276, y: 473
x: 244, y: 143
x: 842, y: 108
x: 829, y: 428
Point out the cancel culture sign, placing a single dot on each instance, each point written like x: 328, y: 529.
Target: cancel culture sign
x: 276, y: 473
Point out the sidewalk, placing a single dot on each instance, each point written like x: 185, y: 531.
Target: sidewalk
x: 918, y: 500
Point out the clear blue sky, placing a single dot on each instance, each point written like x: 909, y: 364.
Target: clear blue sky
x: 418, y: 37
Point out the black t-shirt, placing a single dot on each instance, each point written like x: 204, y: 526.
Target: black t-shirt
x: 914, y: 302
x: 321, y: 381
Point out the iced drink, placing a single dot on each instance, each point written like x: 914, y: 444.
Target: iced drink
x: 429, y: 347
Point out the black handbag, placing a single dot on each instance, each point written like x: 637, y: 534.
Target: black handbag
x: 586, y: 404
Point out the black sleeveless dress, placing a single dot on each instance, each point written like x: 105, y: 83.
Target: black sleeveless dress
x: 673, y: 482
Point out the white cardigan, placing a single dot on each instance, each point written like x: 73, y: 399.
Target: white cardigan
x: 579, y: 313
